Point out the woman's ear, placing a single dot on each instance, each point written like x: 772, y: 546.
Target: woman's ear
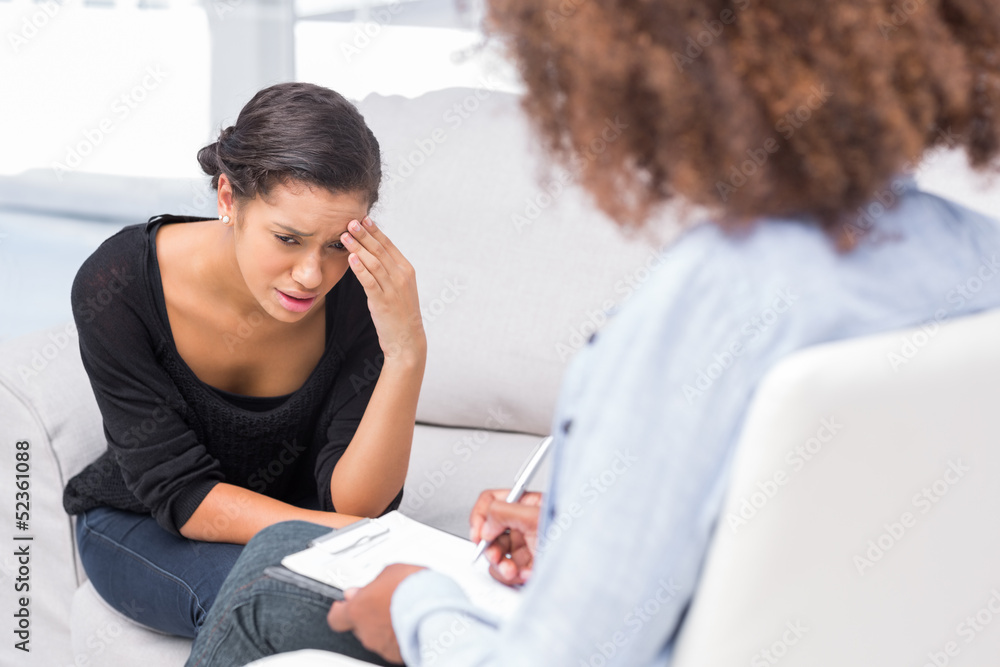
x: 225, y: 200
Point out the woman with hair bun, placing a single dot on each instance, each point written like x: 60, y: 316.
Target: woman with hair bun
x: 255, y: 368
x: 791, y: 126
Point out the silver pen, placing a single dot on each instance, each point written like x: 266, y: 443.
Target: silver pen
x: 521, y: 483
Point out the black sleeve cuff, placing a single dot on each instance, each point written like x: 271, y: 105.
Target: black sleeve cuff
x: 181, y: 509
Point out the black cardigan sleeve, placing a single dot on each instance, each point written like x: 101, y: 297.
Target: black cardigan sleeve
x: 161, y: 461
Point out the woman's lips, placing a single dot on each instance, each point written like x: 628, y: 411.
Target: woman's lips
x: 294, y: 304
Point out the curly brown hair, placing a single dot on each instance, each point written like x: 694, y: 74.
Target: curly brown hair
x: 790, y: 108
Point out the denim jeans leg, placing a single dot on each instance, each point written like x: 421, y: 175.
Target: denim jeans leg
x: 256, y: 616
x: 158, y: 579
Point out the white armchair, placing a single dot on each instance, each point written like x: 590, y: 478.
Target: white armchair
x: 858, y: 528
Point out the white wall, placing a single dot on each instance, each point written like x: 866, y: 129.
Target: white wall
x: 129, y: 91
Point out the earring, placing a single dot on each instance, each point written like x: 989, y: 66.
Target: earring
x: 225, y: 219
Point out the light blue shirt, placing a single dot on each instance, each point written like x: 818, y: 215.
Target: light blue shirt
x: 655, y: 406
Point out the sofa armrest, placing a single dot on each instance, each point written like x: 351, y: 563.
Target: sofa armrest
x: 45, y: 401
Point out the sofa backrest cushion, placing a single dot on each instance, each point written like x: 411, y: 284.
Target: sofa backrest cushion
x: 514, y: 272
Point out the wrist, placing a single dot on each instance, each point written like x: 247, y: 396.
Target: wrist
x: 409, y: 356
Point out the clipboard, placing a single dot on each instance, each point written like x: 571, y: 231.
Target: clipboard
x: 353, y: 556
x: 357, y: 535
x: 337, y: 541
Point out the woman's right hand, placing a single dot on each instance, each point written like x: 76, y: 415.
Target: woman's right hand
x: 391, y: 286
x: 513, y: 530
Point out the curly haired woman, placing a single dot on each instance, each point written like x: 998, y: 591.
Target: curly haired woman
x: 789, y: 127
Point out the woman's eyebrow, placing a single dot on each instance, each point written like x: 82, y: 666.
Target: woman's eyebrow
x: 290, y: 230
x: 298, y: 233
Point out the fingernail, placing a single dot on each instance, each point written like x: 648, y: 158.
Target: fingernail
x: 353, y: 259
x: 368, y: 221
x: 346, y: 239
x: 354, y: 226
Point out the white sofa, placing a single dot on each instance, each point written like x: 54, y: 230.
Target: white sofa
x: 513, y: 277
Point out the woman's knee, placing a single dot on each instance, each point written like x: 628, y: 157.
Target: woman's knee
x: 149, y: 575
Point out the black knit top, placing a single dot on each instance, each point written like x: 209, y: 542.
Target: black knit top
x: 171, y: 437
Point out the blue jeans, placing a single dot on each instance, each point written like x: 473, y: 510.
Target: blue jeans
x: 161, y: 580
x: 255, y: 616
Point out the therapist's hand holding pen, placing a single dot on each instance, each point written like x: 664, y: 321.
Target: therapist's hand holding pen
x: 511, y: 529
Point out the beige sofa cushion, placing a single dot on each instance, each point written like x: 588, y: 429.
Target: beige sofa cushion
x: 513, y: 276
